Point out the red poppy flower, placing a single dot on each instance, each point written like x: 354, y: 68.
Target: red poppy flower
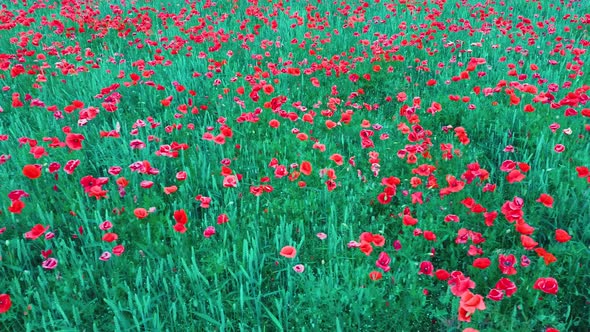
x: 460, y: 283
x: 71, y: 166
x: 547, y: 256
x: 464, y: 316
x: 180, y: 228
x: 515, y: 176
x: 375, y: 275
x: 524, y: 167
x: 471, y: 302
x: 378, y: 240
x: 506, y: 264
x: 507, y: 286
x: 547, y: 285
x: 16, y: 206
x: 288, y: 251
x: 366, y: 248
x: 181, y: 176
x: 118, y: 250
x: 383, y: 262
x: 490, y: 217
x: 429, y: 236
x: 180, y: 216
x: 140, y: 213
x: 562, y: 236
x: 98, y: 192
x: 170, y: 190
x: 122, y: 182
x: 268, y: 89
x: 481, y: 263
x: 46, y: 253
x: 302, y: 137
x: 38, y: 152
x: 36, y: 231
x: 32, y: 171
x: 409, y: 220
x: 166, y: 101
x: 222, y: 219
x: 366, y: 237
x: 5, y: 303
x: 546, y: 200
x: 451, y: 217
x: 331, y: 124
x: 507, y: 165
x: 305, y: 167
x: 583, y: 171
x: 16, y: 195
x: 468, y: 304
x: 74, y: 141
x: 337, y: 158
x: 529, y: 108
x: 495, y: 295
x: 417, y: 198
x: 527, y: 242
x: 442, y: 274
x: 384, y: 198
x: 110, y: 237
x: 426, y: 268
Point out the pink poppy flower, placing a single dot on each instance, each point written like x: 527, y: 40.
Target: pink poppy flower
x: 230, y: 181
x: 209, y: 231
x: 50, y: 264
x: 299, y: 268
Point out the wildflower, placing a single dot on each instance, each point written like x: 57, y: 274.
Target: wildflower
x: 5, y: 303
x: 375, y: 275
x: 468, y: 304
x: 426, y: 268
x: 105, y: 256
x: 36, y: 231
x: 209, y: 231
x: 299, y: 268
x: 50, y: 264
x: 288, y: 251
x: 32, y: 171
x: 118, y: 250
x: 547, y: 285
x: 74, y: 141
x: 562, y: 236
x: 140, y: 213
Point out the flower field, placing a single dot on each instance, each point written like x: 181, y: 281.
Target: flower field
x: 350, y: 165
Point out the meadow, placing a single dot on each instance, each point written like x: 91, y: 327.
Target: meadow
x: 283, y: 165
